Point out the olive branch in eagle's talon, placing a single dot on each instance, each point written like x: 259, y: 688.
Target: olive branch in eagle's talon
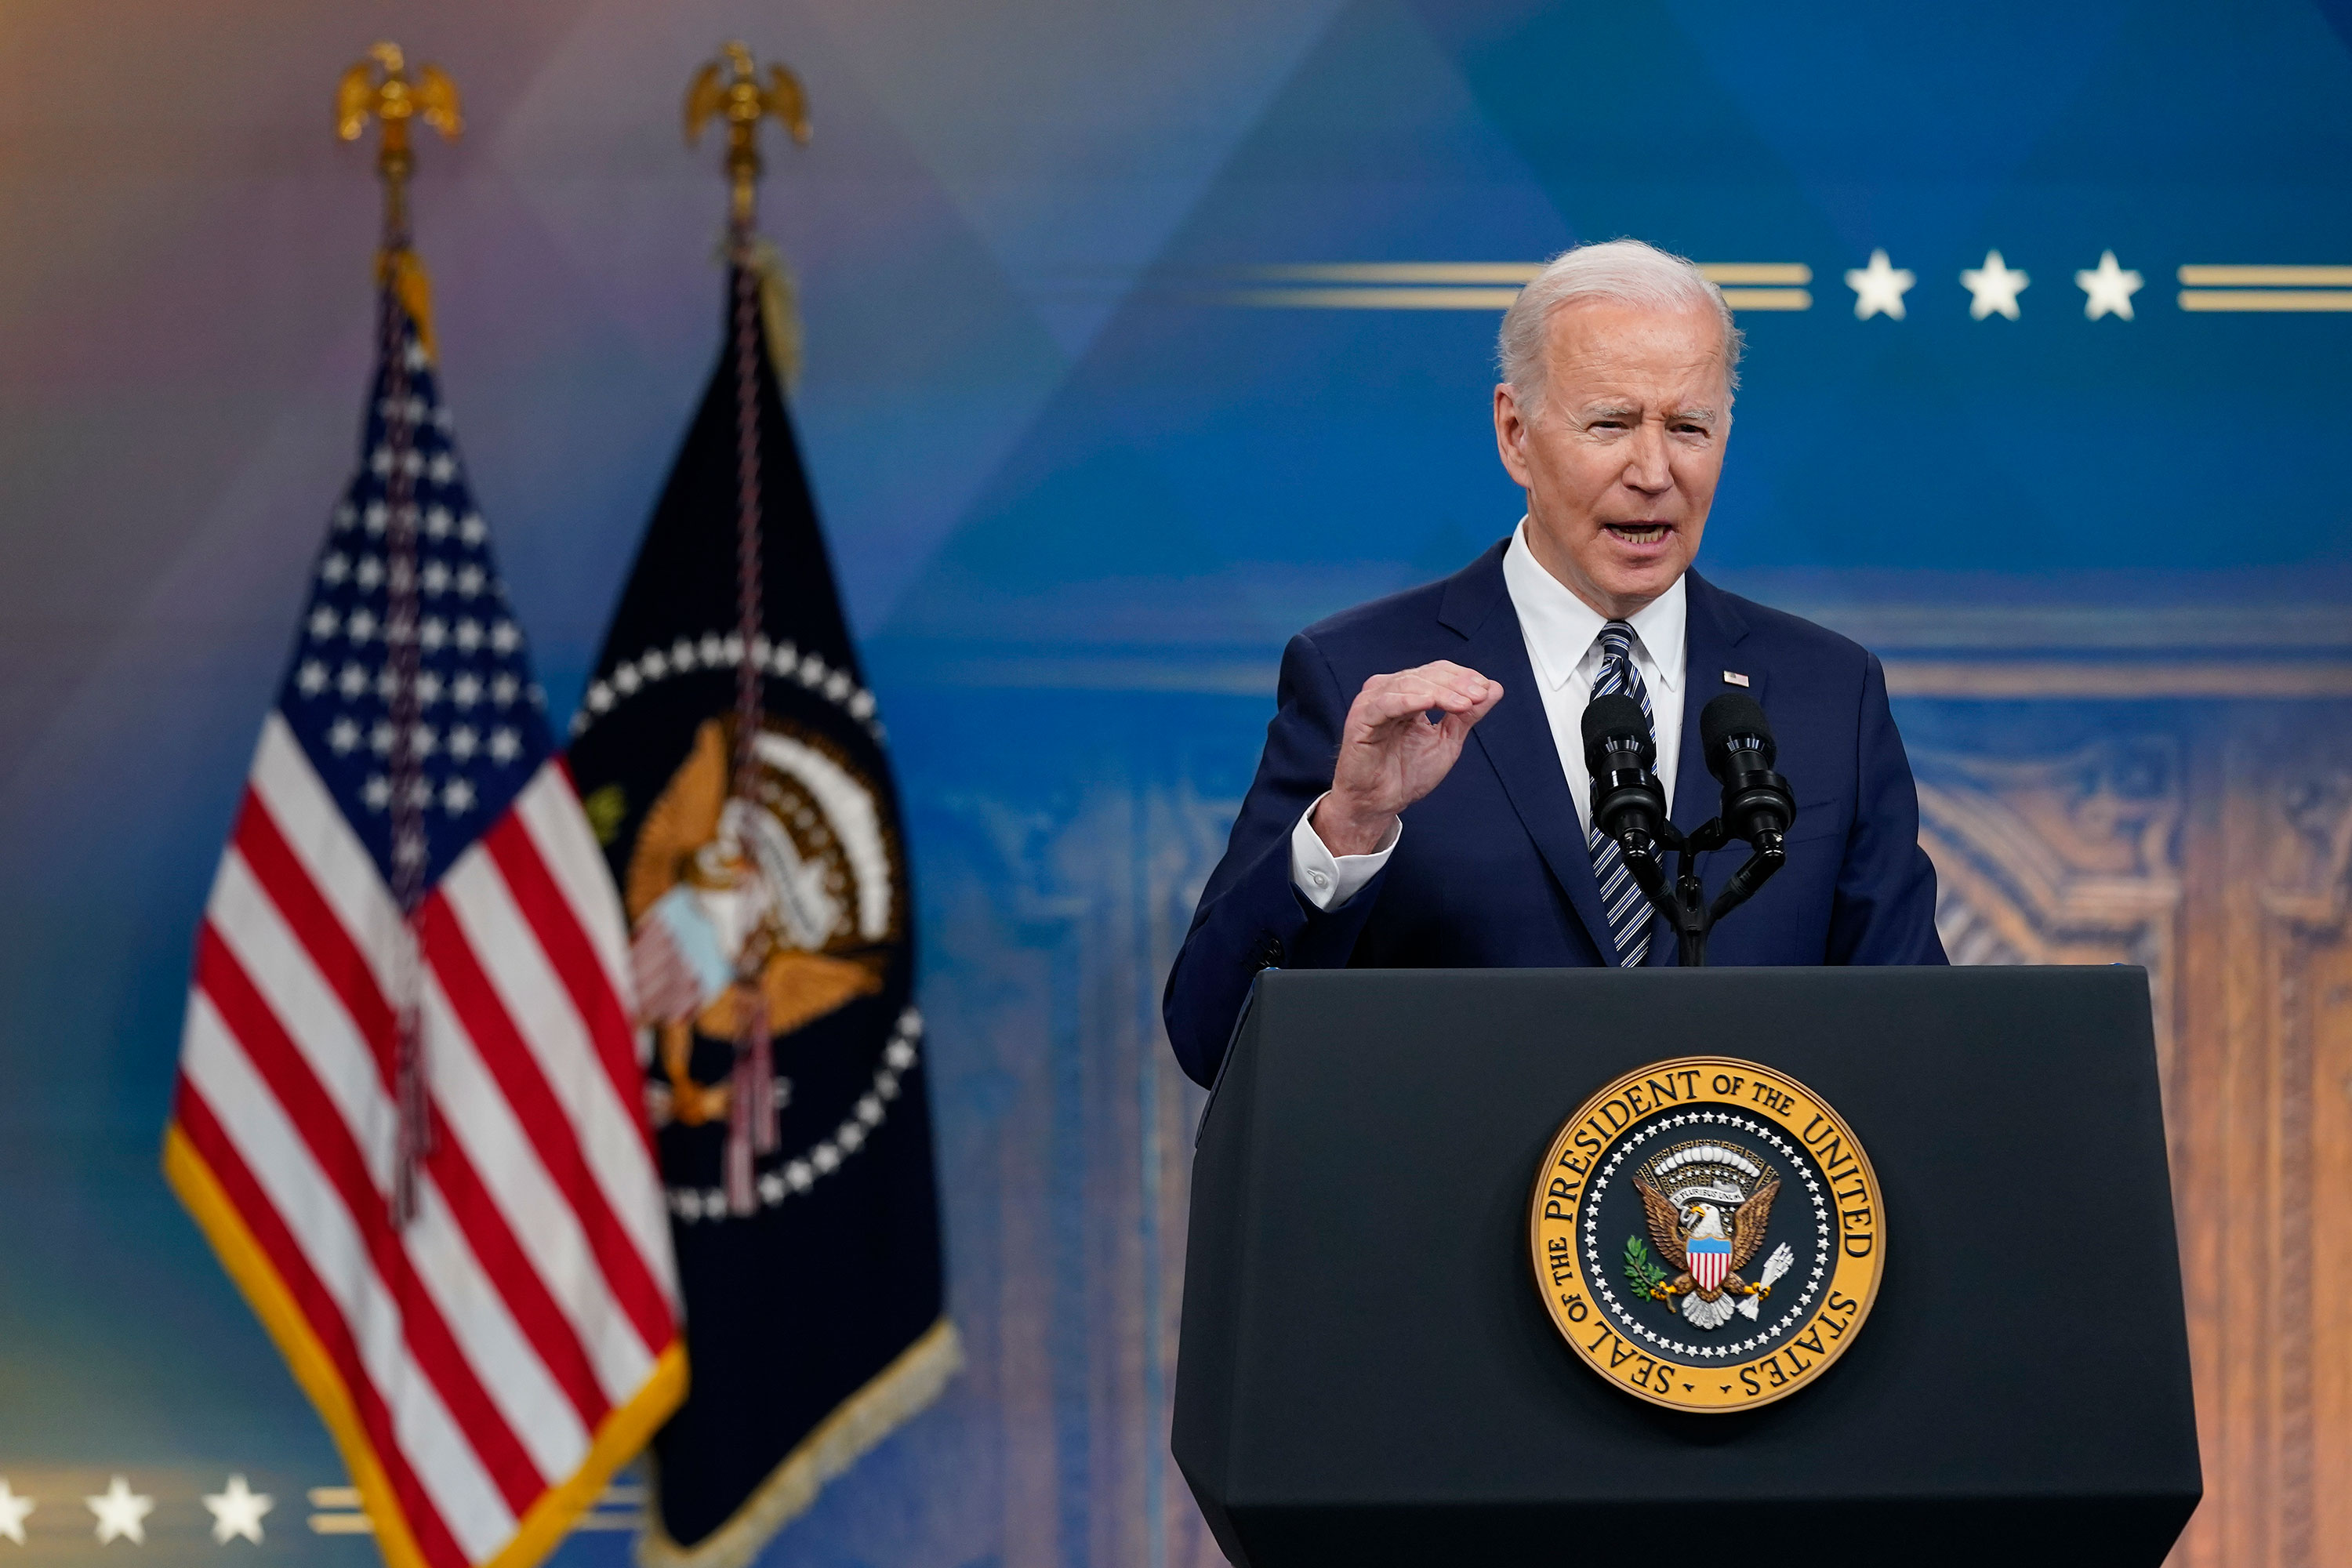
x: 1647, y: 1279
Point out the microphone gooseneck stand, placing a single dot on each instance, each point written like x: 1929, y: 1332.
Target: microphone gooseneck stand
x: 1685, y: 903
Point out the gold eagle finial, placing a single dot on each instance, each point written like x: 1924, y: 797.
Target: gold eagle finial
x: 730, y: 87
x: 379, y: 87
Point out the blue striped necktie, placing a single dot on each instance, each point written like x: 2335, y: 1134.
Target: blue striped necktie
x: 1620, y: 896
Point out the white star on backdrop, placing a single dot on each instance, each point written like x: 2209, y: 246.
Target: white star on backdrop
x: 2109, y: 289
x: 1878, y: 288
x: 1995, y: 286
x: 121, y: 1512
x: 236, y: 1510
x: 13, y: 1509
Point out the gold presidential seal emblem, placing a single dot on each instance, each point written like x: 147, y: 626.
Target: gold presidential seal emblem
x: 1707, y: 1234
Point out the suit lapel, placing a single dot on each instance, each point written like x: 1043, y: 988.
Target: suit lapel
x: 1516, y: 739
x: 1714, y: 629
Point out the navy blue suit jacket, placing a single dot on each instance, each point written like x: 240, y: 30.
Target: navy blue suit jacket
x: 1492, y: 870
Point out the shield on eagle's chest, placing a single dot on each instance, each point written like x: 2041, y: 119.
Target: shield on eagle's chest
x: 1710, y: 1260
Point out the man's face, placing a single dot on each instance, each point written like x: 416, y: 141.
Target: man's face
x: 1622, y: 453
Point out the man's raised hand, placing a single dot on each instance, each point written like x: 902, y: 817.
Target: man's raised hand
x: 1390, y: 754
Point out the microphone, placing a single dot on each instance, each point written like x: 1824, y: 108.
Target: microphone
x: 1627, y: 803
x: 1738, y: 740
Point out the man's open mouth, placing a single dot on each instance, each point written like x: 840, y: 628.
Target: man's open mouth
x: 1640, y: 532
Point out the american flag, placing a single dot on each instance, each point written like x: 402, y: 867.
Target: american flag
x: 409, y: 1114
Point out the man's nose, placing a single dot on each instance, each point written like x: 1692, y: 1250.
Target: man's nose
x: 1645, y: 467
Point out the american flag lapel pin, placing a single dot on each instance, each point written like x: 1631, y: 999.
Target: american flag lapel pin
x: 1733, y: 678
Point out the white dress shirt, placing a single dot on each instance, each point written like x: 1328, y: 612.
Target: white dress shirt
x: 1563, y: 637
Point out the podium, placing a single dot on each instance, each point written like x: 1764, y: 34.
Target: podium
x: 1367, y: 1375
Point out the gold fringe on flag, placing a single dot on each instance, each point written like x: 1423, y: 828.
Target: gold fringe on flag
x: 899, y: 1391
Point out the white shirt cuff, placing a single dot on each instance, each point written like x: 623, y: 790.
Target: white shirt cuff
x: 1327, y: 880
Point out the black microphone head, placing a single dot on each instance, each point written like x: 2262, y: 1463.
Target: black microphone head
x: 1611, y: 717
x: 1733, y: 713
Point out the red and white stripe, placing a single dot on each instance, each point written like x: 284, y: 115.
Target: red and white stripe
x: 484, y: 1345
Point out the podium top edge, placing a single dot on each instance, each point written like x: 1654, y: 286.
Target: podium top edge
x: 1905, y: 975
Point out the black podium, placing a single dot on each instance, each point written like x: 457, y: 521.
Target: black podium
x: 1367, y: 1375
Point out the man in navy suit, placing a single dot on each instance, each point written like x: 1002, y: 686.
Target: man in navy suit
x: 1422, y: 799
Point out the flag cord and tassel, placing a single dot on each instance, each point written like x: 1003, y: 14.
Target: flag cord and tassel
x: 734, y: 91
x: 379, y: 88
x: 751, y: 1104
x: 406, y: 772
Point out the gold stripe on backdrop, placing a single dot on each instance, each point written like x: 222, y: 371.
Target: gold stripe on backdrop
x: 2208, y: 277
x: 1374, y: 298
x: 340, y: 1511
x: 1726, y: 273
x: 1479, y: 285
x: 2206, y: 286
x: 2266, y: 299
x: 1514, y: 273
x: 1768, y: 298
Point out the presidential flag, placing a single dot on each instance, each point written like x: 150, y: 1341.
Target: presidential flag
x: 733, y: 762
x: 410, y: 1113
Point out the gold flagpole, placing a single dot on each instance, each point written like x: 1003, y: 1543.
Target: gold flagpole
x: 379, y: 88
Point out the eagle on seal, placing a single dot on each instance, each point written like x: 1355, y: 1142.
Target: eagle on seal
x: 1692, y: 1234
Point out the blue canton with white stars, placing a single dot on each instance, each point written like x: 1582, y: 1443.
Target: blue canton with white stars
x: 482, y: 728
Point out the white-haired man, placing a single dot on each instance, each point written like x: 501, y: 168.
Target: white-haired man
x: 1377, y: 834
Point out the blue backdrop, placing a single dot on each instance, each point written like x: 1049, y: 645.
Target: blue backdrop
x: 1100, y: 406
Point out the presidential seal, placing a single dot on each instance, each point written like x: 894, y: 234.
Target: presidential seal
x: 1707, y: 1234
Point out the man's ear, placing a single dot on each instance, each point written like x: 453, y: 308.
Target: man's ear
x: 1511, y: 433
